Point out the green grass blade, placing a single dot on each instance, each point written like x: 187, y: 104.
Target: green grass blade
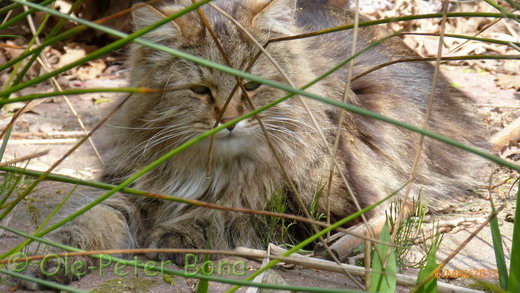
x: 31, y: 61
x: 514, y: 3
x: 10, y: 184
x: 9, y: 7
x: 431, y: 264
x: 473, y: 38
x: 514, y: 273
x: 400, y: 18
x: 203, y: 286
x: 71, y: 180
x: 490, y: 286
x: 22, y: 15
x: 499, y: 250
x: 42, y: 282
x: 76, y: 92
x: 11, y: 36
x: 5, y: 140
x: 383, y: 279
x: 51, y: 34
x: 498, y: 7
x: 46, y: 43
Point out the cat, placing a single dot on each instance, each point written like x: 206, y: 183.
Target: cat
x: 375, y: 157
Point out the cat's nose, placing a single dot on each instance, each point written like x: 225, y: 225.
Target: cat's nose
x: 225, y: 120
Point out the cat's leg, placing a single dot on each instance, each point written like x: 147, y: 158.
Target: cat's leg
x: 186, y: 234
x: 103, y: 227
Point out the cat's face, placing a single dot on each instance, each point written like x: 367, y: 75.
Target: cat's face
x: 198, y: 94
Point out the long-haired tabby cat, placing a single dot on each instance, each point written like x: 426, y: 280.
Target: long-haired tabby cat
x: 375, y: 157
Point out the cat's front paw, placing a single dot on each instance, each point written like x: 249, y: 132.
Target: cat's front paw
x: 54, y: 268
x: 175, y: 237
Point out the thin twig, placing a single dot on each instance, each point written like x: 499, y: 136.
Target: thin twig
x: 339, y: 129
x: 427, y: 116
x: 24, y: 158
x: 426, y: 59
x: 325, y: 265
x: 478, y: 33
x: 49, y: 134
x: 45, y: 64
x: 42, y: 141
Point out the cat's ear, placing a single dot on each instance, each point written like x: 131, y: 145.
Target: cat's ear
x: 186, y: 27
x: 273, y: 15
x: 144, y: 15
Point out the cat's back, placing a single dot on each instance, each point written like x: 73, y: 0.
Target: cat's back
x: 399, y: 91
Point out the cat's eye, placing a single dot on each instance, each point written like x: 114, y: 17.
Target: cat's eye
x: 201, y: 90
x: 252, y: 85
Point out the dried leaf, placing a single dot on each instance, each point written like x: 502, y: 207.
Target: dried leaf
x: 507, y: 81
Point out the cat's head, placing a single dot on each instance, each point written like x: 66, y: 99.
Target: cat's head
x: 200, y: 93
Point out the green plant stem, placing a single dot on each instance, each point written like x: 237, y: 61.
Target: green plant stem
x: 11, y: 36
x: 3, y: 147
x: 425, y: 59
x: 499, y: 250
x: 34, y: 39
x: 12, y: 75
x: 55, y: 210
x: 76, y: 92
x: 22, y: 15
x: 71, y: 180
x: 514, y: 266
x: 397, y: 19
x: 56, y: 29
x: 9, y: 7
x: 473, y: 38
x: 46, y: 43
x: 51, y: 34
x: 499, y: 8
x: 515, y: 4
x: 62, y: 288
x: 8, y: 190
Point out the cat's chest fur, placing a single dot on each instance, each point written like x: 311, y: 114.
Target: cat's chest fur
x: 240, y: 181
